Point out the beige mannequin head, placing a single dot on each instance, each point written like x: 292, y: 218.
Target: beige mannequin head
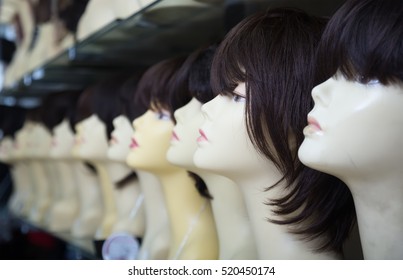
x: 90, y: 139
x: 62, y: 141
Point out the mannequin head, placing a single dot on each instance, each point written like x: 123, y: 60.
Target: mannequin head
x: 128, y: 110
x: 153, y: 130
x: 263, y: 72
x: 355, y: 128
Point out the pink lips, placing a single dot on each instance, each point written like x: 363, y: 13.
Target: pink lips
x: 134, y: 144
x: 202, y: 136
x: 313, y: 123
x: 175, y: 136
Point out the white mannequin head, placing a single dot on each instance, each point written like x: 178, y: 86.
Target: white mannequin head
x: 355, y: 128
x: 119, y: 145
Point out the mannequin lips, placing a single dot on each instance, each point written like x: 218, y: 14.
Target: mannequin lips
x: 174, y: 136
x: 202, y: 136
x: 134, y: 144
x: 312, y: 127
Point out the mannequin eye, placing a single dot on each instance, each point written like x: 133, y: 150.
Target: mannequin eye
x: 238, y: 98
x: 163, y: 116
x: 365, y: 81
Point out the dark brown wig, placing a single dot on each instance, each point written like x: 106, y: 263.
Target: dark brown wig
x: 107, y: 100
x: 11, y: 120
x: 364, y: 41
x: 273, y: 52
x: 154, y: 86
x: 59, y: 106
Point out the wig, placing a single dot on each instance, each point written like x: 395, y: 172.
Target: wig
x: 273, y: 52
x: 59, y: 106
x: 154, y: 90
x: 11, y: 120
x: 364, y: 41
x: 108, y: 99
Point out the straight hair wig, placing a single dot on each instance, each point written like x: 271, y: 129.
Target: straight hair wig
x: 364, y: 41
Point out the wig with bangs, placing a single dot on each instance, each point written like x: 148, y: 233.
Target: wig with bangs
x: 364, y: 41
x: 107, y: 99
x: 273, y: 52
x: 153, y: 90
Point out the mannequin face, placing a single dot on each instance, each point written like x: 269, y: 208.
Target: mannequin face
x: 224, y: 146
x: 119, y: 145
x: 20, y: 141
x: 6, y: 149
x: 150, y: 141
x: 62, y: 141
x: 186, y: 131
x: 39, y: 141
x: 354, y: 128
x: 90, y: 139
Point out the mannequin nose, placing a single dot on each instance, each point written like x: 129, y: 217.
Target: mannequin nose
x: 321, y: 94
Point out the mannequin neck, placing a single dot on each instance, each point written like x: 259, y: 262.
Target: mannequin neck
x: 156, y: 239
x: 231, y: 218
x: 378, y: 203
x: 186, y: 209
x: 274, y: 241
x: 113, y: 171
